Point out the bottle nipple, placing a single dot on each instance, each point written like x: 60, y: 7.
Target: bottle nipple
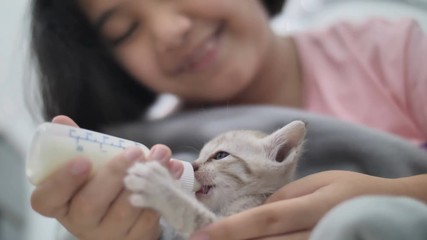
x: 187, y: 180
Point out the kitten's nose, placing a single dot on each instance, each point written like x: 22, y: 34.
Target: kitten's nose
x: 195, y: 166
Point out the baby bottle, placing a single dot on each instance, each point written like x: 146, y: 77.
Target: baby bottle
x: 53, y: 144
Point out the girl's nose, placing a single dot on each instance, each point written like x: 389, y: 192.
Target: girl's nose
x: 170, y: 30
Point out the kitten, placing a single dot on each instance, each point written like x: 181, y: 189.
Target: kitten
x: 236, y: 170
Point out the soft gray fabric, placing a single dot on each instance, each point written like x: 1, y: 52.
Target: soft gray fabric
x: 331, y: 143
x: 374, y: 218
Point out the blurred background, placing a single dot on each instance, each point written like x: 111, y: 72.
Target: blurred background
x: 17, y: 220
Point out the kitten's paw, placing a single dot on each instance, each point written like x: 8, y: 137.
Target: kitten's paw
x: 148, y: 182
x: 138, y: 200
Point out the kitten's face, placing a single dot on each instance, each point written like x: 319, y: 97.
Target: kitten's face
x: 239, y: 163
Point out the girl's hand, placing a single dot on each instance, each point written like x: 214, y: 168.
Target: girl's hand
x: 97, y: 207
x: 293, y: 211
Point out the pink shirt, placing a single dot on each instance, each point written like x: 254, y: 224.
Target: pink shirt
x: 373, y: 73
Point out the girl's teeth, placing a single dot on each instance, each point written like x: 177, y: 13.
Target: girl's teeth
x: 202, y: 53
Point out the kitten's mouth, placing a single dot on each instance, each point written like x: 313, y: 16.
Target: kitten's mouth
x: 204, y: 190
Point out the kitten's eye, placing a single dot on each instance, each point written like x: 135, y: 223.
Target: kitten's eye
x: 220, y: 155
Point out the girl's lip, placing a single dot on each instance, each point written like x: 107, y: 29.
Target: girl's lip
x: 204, y: 55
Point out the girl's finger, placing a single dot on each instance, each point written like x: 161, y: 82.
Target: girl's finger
x: 160, y: 153
x: 305, y: 186
x: 120, y: 218
x: 92, y: 202
x: 272, y: 219
x: 51, y: 197
x: 146, y: 227
x: 176, y: 168
x: 61, y: 119
x: 163, y: 154
x: 302, y: 235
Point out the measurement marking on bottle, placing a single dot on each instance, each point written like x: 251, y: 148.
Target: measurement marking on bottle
x: 81, y: 136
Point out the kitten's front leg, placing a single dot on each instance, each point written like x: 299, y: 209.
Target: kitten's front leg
x: 153, y: 187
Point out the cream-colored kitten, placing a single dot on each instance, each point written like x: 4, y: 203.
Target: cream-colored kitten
x: 236, y: 170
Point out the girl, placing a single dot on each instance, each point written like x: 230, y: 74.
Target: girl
x: 105, y: 61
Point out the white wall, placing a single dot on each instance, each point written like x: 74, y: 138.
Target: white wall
x: 15, y: 121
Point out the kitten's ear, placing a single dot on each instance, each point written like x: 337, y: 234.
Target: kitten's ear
x: 282, y: 142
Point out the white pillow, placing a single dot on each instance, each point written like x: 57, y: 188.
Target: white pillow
x: 302, y: 14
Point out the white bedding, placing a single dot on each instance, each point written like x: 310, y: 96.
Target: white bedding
x: 302, y: 14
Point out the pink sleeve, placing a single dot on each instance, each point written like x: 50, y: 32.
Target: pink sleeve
x: 416, y: 60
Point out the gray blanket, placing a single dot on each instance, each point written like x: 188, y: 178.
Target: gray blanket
x: 331, y: 143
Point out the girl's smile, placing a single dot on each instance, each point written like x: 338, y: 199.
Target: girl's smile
x: 202, y: 55
x: 208, y: 51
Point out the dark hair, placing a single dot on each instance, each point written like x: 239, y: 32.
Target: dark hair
x: 273, y: 7
x: 77, y: 75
